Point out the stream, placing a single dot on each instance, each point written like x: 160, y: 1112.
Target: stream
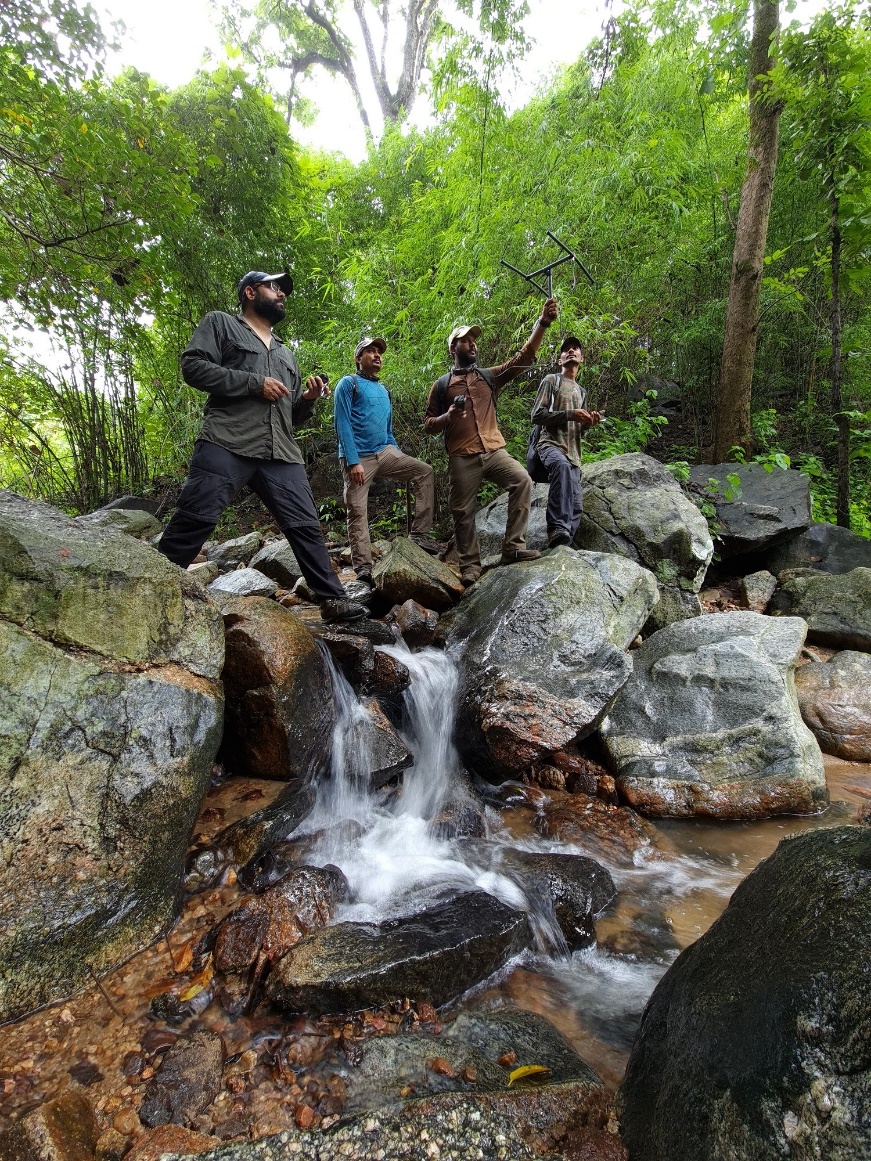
x: 397, y: 862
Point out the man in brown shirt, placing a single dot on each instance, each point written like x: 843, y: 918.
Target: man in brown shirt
x: 462, y: 404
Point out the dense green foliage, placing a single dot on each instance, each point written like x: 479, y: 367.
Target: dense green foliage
x: 127, y: 211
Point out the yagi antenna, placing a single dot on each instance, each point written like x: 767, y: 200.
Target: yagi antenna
x: 566, y: 256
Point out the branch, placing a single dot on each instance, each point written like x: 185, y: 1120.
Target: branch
x: 378, y: 80
x: 54, y: 243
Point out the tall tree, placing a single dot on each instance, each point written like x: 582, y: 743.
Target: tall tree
x: 825, y: 80
x: 735, y: 379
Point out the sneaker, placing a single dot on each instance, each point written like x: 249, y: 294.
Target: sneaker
x: 559, y: 538
x: 517, y: 555
x: 469, y: 576
x: 341, y: 609
x: 426, y: 544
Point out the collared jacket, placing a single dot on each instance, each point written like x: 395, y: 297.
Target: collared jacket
x: 227, y: 360
x: 476, y: 430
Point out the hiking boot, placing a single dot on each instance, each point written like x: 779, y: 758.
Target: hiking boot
x: 364, y: 575
x: 469, y: 576
x: 425, y: 543
x: 341, y: 609
x: 518, y: 555
x: 559, y: 538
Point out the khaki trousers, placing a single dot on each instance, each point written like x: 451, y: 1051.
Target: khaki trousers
x: 392, y: 464
x: 466, y: 476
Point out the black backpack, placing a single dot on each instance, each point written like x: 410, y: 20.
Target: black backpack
x: 534, y: 466
x: 442, y: 386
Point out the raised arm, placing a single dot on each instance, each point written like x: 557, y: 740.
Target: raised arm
x: 526, y: 356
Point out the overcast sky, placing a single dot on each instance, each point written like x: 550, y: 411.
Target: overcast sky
x: 167, y: 38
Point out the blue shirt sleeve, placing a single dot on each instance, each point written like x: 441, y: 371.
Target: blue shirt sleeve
x: 347, y: 444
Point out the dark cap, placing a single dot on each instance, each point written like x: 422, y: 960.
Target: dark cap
x: 257, y: 278
x: 570, y: 341
x: 366, y: 341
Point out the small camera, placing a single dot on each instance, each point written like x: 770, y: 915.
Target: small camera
x: 460, y: 402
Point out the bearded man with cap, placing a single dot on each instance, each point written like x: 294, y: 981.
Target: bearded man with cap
x: 561, y: 416
x: 367, y: 448
x: 462, y: 404
x: 255, y: 395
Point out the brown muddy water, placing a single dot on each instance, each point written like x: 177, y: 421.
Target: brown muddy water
x: 104, y: 1042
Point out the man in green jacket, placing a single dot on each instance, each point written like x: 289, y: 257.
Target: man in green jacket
x: 255, y: 396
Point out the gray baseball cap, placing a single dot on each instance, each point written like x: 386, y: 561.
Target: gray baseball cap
x: 366, y: 341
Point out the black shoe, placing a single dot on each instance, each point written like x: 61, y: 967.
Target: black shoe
x: 365, y: 576
x: 559, y: 538
x: 517, y: 555
x: 426, y: 544
x: 341, y: 609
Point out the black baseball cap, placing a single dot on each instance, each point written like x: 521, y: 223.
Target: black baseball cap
x: 570, y: 341
x: 257, y: 278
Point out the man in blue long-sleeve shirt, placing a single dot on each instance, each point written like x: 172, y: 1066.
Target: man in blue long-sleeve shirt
x: 367, y: 448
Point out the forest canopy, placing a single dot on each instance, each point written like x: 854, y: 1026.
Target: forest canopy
x: 128, y: 210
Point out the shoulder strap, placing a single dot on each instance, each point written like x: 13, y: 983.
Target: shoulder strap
x: 442, y: 392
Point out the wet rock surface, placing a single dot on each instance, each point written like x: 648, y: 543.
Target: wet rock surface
x: 280, y: 710
x: 111, y: 719
x: 825, y: 547
x: 616, y: 834
x: 252, y: 836
x: 633, y: 507
x: 709, y: 722
x: 60, y: 1130
x: 767, y: 507
x: 837, y: 608
x: 543, y: 654
x: 417, y: 624
x: 389, y: 755
x: 758, y: 1033
x: 576, y: 888
x: 242, y: 582
x: 835, y: 702
x: 189, y: 1079
x: 435, y: 956
x: 406, y: 572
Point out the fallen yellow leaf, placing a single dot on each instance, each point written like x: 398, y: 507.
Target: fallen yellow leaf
x: 526, y: 1070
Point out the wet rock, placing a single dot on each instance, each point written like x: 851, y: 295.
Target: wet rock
x: 267, y: 868
x: 230, y: 554
x: 277, y: 561
x: 189, y: 1078
x: 111, y: 1145
x: 416, y: 624
x: 171, y: 1139
x: 825, y: 547
x: 633, y: 507
x: 837, y: 608
x: 435, y: 956
x: 133, y: 522
x: 270, y: 924
x: 571, y: 887
x: 463, y: 818
x: 759, y: 1034
x: 613, y: 833
x: 543, y: 654
x: 110, y: 758
x: 583, y: 775
x: 766, y: 508
x: 508, y: 1125
x: 409, y: 573
x: 835, y: 703
x: 251, y: 837
x: 243, y: 582
x: 280, y: 711
x: 709, y: 722
x: 63, y: 1129
x: 390, y: 677
x: 756, y: 590
x: 372, y: 733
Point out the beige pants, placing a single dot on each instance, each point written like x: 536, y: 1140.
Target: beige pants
x: 392, y: 464
x: 466, y: 476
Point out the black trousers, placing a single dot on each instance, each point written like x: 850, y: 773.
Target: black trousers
x: 565, y: 502
x: 215, y: 478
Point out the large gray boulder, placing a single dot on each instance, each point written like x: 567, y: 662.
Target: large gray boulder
x: 765, y: 508
x: 756, y: 1044
x: 543, y: 653
x: 635, y: 508
x: 837, y: 608
x: 823, y: 546
x: 492, y: 519
x: 406, y: 572
x: 110, y: 717
x: 134, y: 521
x: 435, y: 955
x: 709, y: 722
x: 835, y: 702
x: 276, y: 559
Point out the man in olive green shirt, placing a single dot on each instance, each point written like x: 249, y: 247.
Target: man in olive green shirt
x: 255, y: 396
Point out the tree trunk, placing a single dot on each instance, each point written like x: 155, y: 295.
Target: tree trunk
x: 841, y: 421
x: 735, y: 379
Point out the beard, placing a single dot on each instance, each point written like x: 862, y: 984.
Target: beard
x: 268, y: 308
